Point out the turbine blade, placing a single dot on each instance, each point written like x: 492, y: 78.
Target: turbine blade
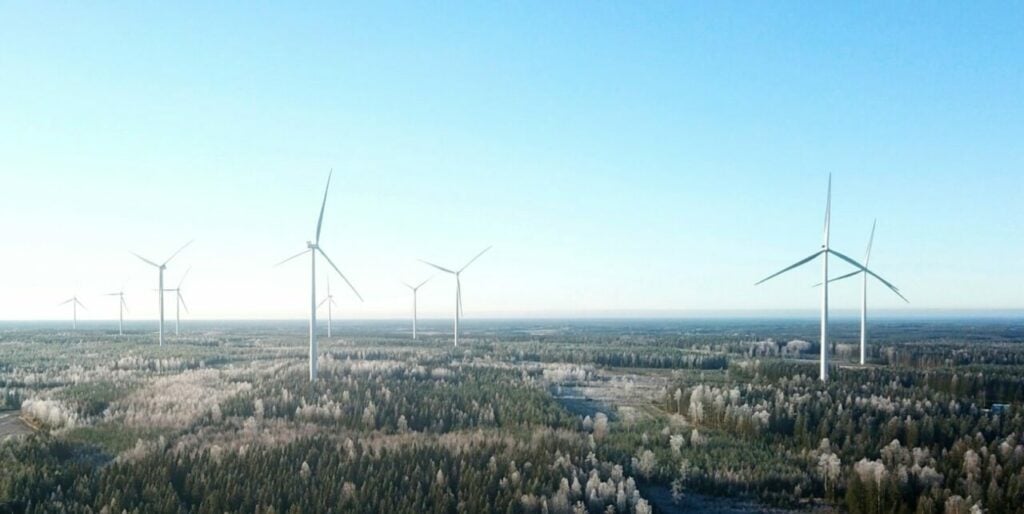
x: 407, y: 285
x: 799, y: 263
x: 841, y: 277
x: 321, y: 304
x: 869, y: 272
x: 320, y: 220
x: 182, y: 300
x: 421, y: 283
x: 848, y: 275
x: 65, y: 302
x: 175, y: 254
x: 80, y: 304
x: 329, y: 261
x: 828, y: 204
x: 474, y: 258
x: 300, y: 254
x: 871, y: 240
x: 124, y: 304
x: 182, y: 281
x: 446, y: 270
x: 145, y: 259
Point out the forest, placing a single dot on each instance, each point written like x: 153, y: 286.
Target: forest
x: 585, y: 417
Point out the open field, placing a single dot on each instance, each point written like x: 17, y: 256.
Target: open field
x: 524, y: 417
x: 11, y: 424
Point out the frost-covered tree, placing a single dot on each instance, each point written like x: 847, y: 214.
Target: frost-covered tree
x: 600, y: 426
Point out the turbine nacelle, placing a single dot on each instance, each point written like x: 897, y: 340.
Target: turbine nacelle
x: 313, y: 247
x: 458, y: 287
x: 824, y: 251
x: 160, y: 269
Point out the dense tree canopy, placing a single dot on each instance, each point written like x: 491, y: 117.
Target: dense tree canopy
x: 573, y: 420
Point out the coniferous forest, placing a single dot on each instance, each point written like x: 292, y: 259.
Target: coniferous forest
x: 522, y: 417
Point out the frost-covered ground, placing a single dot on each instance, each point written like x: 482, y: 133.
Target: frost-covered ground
x: 11, y: 425
x: 575, y: 418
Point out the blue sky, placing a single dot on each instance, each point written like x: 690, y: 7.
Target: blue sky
x: 649, y: 157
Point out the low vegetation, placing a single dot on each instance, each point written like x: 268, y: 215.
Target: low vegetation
x: 599, y: 418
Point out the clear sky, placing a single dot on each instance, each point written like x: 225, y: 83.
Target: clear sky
x: 621, y: 157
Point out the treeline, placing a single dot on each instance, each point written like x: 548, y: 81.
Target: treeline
x: 369, y: 436
x: 873, y: 440
x: 666, y: 358
x: 398, y: 397
x: 948, y: 354
x: 548, y: 472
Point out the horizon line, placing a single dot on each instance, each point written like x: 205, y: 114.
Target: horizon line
x: 610, y: 315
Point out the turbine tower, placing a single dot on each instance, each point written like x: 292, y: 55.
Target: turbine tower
x: 312, y: 248
x: 74, y: 310
x: 329, y: 300
x: 414, y: 290
x: 122, y: 307
x: 864, y: 294
x: 179, y: 302
x: 824, y: 253
x: 458, y: 288
x: 160, y: 286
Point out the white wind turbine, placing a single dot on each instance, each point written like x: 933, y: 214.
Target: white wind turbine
x: 864, y: 294
x: 179, y: 302
x: 824, y: 253
x: 329, y: 300
x: 414, y: 290
x: 312, y: 248
x: 458, y: 287
x: 122, y: 307
x: 160, y: 287
x: 74, y: 310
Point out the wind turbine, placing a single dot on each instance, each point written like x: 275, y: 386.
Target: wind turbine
x: 160, y: 288
x: 312, y: 247
x: 414, y: 290
x: 458, y: 287
x: 329, y: 300
x: 74, y: 310
x: 824, y: 253
x: 122, y: 307
x: 179, y: 302
x: 864, y: 294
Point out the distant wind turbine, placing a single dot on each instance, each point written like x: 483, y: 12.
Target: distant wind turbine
x: 824, y: 253
x: 458, y: 287
x: 864, y: 293
x: 74, y: 310
x: 312, y: 247
x: 179, y: 302
x: 329, y: 300
x: 122, y: 307
x: 160, y: 287
x: 414, y: 290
